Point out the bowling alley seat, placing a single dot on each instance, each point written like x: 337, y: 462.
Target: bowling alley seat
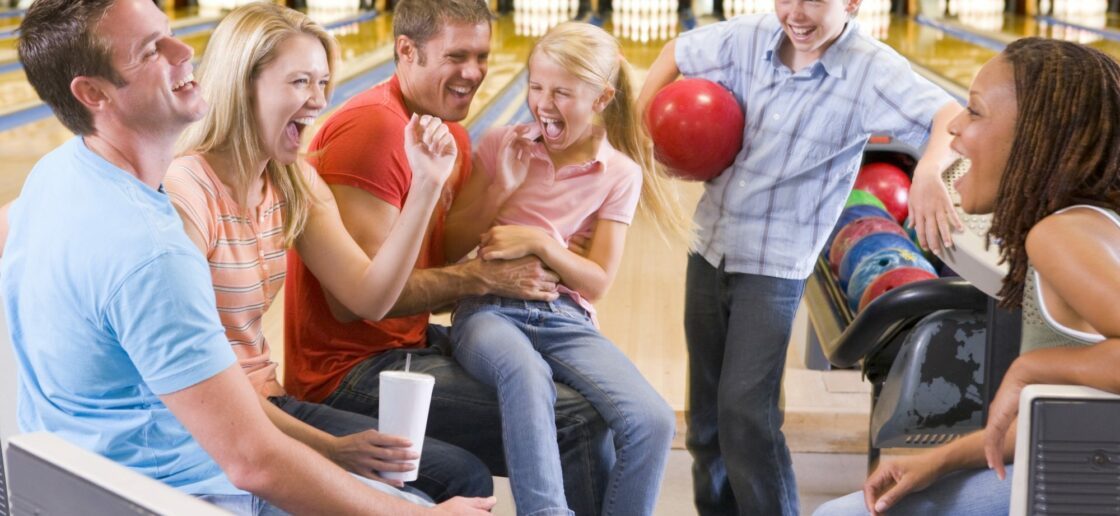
x: 43, y: 474
x: 934, y: 351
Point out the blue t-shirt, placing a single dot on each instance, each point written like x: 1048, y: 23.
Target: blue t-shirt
x: 109, y: 305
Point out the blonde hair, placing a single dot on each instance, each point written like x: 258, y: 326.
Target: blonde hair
x: 244, y: 43
x: 593, y: 55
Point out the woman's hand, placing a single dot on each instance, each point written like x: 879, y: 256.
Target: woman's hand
x: 430, y: 149
x: 896, y: 478
x: 932, y: 212
x: 1002, y: 413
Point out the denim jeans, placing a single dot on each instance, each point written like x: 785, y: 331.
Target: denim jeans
x: 520, y: 348
x: 737, y: 327
x: 975, y: 492
x: 446, y: 471
x: 465, y: 413
x: 252, y: 505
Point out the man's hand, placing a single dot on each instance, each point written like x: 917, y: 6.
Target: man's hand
x: 369, y: 452
x: 430, y: 148
x: 466, y: 506
x: 523, y: 278
x: 895, y: 479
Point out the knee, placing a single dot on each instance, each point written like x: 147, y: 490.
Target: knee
x: 655, y: 423
x: 850, y: 505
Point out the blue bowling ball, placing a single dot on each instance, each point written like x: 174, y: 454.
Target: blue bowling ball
x: 878, y: 263
x: 867, y: 246
x: 852, y: 213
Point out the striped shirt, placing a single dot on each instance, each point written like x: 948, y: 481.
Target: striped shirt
x: 771, y: 211
x: 245, y: 250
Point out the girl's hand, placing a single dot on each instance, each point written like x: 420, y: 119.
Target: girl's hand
x: 511, y: 242
x: 430, y: 149
x: 514, y: 161
x: 1001, y: 415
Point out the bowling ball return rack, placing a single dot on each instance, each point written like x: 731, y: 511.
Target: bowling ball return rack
x: 934, y: 351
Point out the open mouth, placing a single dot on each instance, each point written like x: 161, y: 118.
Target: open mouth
x: 551, y: 128
x: 801, y: 33
x: 462, y: 92
x: 295, y: 128
x: 186, y: 84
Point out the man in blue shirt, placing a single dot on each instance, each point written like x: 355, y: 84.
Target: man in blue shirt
x: 110, y: 306
x: 814, y: 89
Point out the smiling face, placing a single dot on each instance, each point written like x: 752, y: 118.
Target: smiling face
x: 983, y: 133
x: 441, y: 77
x: 812, y: 25
x: 159, y: 93
x: 563, y: 104
x: 289, y: 93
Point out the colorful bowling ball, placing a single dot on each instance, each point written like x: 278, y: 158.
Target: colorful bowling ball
x: 891, y: 280
x: 853, y: 232
x: 850, y: 214
x: 865, y: 247
x: 908, y: 225
x: 890, y: 184
x: 862, y: 197
x: 697, y: 128
x: 877, y: 264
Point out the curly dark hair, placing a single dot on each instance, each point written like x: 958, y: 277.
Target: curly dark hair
x: 1067, y: 144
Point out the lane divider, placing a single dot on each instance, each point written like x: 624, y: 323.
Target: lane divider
x: 1104, y: 33
x: 961, y: 34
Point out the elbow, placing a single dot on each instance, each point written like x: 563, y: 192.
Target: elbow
x: 251, y: 469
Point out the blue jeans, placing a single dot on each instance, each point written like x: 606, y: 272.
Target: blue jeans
x: 446, y: 471
x: 520, y: 348
x: 465, y: 413
x: 737, y: 327
x: 252, y: 505
x: 975, y: 492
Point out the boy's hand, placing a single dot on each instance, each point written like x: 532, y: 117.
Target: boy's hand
x: 369, y: 452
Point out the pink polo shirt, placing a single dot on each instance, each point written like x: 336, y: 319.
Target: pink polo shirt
x: 569, y: 201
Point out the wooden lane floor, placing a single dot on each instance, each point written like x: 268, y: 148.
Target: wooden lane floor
x: 1009, y: 27
x: 365, y: 45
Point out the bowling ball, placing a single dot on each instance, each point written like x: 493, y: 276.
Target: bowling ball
x: 890, y: 280
x: 861, y: 197
x: 865, y: 247
x: 850, y: 214
x: 697, y: 128
x: 909, y: 227
x: 853, y: 232
x: 890, y: 184
x: 879, y: 263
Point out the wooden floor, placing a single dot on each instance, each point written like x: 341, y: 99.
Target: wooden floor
x: 642, y: 313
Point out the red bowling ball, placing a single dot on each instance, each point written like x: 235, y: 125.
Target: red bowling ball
x: 855, y: 230
x: 890, y: 184
x: 697, y: 128
x: 891, y: 280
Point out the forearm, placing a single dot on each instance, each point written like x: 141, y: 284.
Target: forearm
x: 968, y: 452
x: 663, y: 71
x: 472, y: 214
x: 431, y: 289
x: 937, y: 155
x: 576, y: 272
x: 314, y: 438
x: 1091, y: 366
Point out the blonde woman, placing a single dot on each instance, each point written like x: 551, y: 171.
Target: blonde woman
x: 578, y: 171
x: 245, y: 196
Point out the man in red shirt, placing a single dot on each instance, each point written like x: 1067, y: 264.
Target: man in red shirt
x: 334, y: 357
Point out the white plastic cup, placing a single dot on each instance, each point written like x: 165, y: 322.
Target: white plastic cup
x: 403, y: 411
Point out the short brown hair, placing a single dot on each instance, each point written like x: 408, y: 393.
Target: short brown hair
x: 58, y: 42
x: 421, y: 20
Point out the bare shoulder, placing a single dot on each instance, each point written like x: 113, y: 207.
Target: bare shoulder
x: 1074, y: 236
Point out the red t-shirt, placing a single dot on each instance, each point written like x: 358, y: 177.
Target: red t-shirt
x: 362, y: 146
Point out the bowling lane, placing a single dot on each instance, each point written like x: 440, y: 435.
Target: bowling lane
x: 363, y: 45
x: 1009, y: 27
x: 954, y: 59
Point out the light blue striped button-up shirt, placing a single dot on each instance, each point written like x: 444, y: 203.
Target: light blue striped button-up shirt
x: 771, y: 211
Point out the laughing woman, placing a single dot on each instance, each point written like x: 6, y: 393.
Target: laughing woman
x: 1042, y: 130
x: 245, y: 196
